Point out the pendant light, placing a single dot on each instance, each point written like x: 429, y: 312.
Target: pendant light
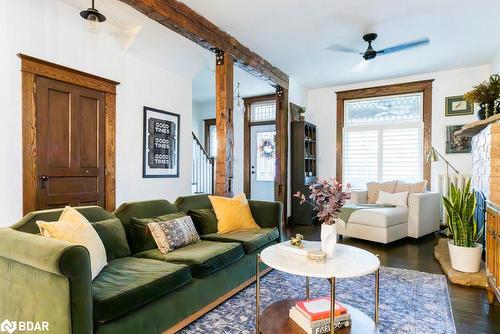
x: 238, y: 101
x: 93, y: 17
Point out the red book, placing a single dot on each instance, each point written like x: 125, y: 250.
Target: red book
x: 319, y: 308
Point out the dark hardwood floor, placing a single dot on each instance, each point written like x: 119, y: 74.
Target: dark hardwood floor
x: 471, y: 310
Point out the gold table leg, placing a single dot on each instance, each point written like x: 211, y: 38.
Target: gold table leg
x: 377, y: 288
x: 332, y: 305
x: 307, y: 288
x: 257, y: 295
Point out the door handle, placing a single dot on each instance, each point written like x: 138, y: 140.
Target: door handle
x: 43, y: 181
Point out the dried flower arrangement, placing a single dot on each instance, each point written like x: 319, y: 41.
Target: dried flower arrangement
x: 327, y: 198
x: 486, y: 92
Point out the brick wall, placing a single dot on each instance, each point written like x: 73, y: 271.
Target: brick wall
x: 486, y: 162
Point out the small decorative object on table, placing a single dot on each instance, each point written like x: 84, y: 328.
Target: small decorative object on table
x: 327, y: 198
x: 297, y: 240
x: 465, y: 251
x: 316, y: 256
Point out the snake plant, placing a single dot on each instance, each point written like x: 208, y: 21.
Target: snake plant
x: 460, y: 205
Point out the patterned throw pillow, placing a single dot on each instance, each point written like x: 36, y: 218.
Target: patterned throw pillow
x: 173, y: 234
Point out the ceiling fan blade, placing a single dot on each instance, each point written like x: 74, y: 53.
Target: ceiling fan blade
x: 361, y: 66
x: 404, y: 46
x: 342, y: 48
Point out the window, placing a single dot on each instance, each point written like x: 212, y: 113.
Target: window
x: 211, y: 137
x: 212, y: 133
x: 266, y: 155
x: 382, y: 139
x: 263, y: 111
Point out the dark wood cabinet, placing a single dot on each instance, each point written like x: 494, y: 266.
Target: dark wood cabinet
x: 304, y: 166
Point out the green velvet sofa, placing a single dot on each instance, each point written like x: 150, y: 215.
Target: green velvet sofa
x: 140, y: 290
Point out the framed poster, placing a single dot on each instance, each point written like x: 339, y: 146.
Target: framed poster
x: 160, y: 144
x: 457, y: 106
x: 456, y: 144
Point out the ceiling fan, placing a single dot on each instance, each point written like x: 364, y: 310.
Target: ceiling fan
x: 371, y: 53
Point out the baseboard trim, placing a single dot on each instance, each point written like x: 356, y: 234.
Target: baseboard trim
x: 186, y: 321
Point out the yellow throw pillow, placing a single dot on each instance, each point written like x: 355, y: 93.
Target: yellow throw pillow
x: 233, y: 214
x: 73, y: 227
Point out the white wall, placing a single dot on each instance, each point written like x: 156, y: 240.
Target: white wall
x: 495, y: 63
x: 322, y: 104
x: 155, y: 69
x: 197, y: 121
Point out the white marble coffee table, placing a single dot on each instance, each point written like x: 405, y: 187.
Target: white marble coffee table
x: 348, y: 262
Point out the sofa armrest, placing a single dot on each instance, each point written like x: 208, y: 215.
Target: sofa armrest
x: 43, y: 279
x: 267, y: 214
x: 358, y: 197
x: 423, y: 213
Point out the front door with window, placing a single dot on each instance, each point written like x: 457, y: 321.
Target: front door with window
x: 262, y: 162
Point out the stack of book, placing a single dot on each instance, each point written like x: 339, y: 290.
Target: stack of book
x: 313, y: 315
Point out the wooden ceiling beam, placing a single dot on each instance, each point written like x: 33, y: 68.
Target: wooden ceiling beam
x: 180, y: 18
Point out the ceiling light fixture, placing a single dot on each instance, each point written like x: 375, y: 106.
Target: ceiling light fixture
x: 93, y: 17
x: 238, y: 100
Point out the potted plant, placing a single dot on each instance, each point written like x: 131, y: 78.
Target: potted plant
x: 302, y: 113
x: 485, y: 94
x: 327, y: 198
x: 465, y: 251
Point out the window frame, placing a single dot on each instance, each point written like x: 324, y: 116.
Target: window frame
x: 208, y: 123
x: 424, y: 87
x: 247, y: 124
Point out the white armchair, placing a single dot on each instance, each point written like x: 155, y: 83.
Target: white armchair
x: 387, y: 224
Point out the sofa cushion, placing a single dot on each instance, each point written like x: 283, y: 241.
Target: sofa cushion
x: 380, y: 217
x: 374, y: 188
x: 204, y: 220
x: 141, y: 238
x: 128, y: 283
x: 142, y: 209
x: 233, y: 214
x: 411, y: 188
x: 72, y: 226
x: 251, y: 239
x: 173, y: 234
x: 113, y: 237
x: 203, y: 258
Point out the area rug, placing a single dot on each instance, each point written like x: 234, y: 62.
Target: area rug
x: 411, y: 302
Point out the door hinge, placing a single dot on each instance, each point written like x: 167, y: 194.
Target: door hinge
x: 105, y: 171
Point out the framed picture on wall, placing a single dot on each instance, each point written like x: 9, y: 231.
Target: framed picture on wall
x: 457, y: 106
x: 160, y: 143
x: 456, y: 144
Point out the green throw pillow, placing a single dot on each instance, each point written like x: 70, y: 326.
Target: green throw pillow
x: 140, y: 235
x: 204, y: 220
x: 113, y: 237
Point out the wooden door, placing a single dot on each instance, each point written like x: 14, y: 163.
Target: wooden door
x: 70, y: 144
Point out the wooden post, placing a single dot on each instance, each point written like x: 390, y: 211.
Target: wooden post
x: 281, y: 176
x: 224, y: 124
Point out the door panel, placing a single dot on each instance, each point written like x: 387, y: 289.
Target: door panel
x: 57, y: 118
x: 70, y: 144
x: 89, y: 133
x: 262, y: 161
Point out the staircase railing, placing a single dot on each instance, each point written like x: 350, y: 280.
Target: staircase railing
x: 203, y: 174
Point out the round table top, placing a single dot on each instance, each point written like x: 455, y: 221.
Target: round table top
x: 275, y: 320
x: 348, y: 262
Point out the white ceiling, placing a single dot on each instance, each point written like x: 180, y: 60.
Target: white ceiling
x: 293, y: 34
